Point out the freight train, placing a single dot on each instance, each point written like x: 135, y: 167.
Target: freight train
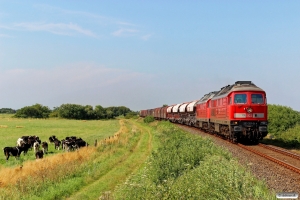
x: 237, y: 112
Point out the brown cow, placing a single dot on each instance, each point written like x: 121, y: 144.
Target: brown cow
x: 39, y: 154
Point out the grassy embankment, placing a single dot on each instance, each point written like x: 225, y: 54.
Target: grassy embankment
x: 186, y: 166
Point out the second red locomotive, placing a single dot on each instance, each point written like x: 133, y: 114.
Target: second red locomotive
x: 237, y: 112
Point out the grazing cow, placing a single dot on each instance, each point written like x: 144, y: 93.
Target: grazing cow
x: 39, y: 154
x: 26, y: 147
x: 80, y: 143
x: 70, y: 145
x: 13, y: 151
x: 45, y: 147
x: 57, y: 144
x: 20, y: 142
x: 25, y: 138
x: 36, y: 146
x: 52, y: 138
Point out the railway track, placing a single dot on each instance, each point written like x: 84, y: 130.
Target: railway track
x: 277, y: 155
x: 282, y: 157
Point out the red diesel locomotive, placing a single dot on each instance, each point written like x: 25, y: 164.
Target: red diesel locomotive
x: 237, y: 112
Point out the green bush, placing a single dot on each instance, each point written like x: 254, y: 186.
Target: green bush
x: 149, y: 119
x: 130, y: 115
x: 34, y: 111
x: 281, y: 118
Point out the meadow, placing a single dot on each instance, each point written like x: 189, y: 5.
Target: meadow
x: 88, y: 173
x: 13, y: 128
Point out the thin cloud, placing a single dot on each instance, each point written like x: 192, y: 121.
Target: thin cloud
x: 56, y: 28
x: 125, y: 32
x: 5, y: 36
x: 5, y: 27
x: 146, y: 37
x: 126, y: 24
x: 76, y: 76
x: 62, y: 11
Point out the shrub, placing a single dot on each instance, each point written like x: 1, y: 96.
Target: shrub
x: 281, y: 118
x: 131, y: 115
x: 149, y: 119
x: 34, y: 111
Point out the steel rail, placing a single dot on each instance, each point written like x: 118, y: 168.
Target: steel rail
x: 284, y: 164
x: 291, y: 167
x: 287, y: 153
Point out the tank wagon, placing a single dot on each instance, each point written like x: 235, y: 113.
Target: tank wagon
x: 237, y: 112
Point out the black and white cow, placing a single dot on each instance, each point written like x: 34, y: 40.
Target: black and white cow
x: 13, y: 151
x: 45, y: 147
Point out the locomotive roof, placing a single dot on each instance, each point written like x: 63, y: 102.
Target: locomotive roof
x: 238, y: 86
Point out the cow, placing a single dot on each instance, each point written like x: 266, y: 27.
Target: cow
x: 57, y: 144
x: 20, y: 142
x: 39, y: 154
x: 26, y: 147
x: 80, y: 143
x: 36, y: 146
x: 13, y: 151
x: 25, y: 137
x: 52, y: 138
x: 45, y: 147
x: 69, y: 145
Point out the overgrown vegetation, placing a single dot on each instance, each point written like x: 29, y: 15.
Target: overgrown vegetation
x: 284, y: 127
x: 149, y: 119
x: 131, y: 115
x: 186, y: 166
x: 281, y: 118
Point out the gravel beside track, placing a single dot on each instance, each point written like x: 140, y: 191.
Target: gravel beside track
x: 277, y: 178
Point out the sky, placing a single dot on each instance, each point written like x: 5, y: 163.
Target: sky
x: 143, y: 54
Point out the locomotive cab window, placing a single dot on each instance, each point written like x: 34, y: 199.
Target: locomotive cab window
x: 240, y: 98
x: 257, y: 99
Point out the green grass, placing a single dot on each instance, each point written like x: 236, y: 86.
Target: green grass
x: 108, y: 165
x: 88, y: 130
x: 120, y: 165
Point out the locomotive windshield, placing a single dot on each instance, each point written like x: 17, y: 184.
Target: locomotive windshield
x: 257, y: 98
x: 240, y: 98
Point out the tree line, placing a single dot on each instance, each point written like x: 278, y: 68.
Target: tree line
x: 72, y: 111
x: 280, y: 118
x: 7, y: 110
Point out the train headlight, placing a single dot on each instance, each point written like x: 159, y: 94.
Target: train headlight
x: 249, y: 110
x: 263, y: 123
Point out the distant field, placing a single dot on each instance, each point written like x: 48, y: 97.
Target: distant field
x: 11, y: 129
